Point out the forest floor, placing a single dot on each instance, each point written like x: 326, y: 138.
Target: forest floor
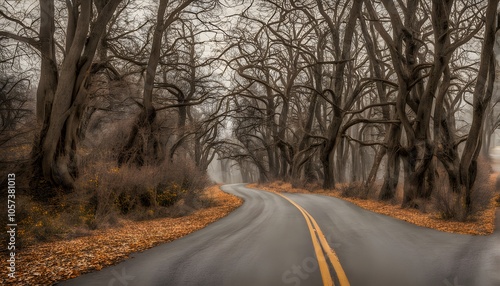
x: 47, y: 263
x: 482, y: 223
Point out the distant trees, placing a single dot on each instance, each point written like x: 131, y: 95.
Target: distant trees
x: 483, y: 91
x: 294, y: 69
x: 14, y: 106
x: 182, y: 81
x: 334, y: 86
x: 142, y: 142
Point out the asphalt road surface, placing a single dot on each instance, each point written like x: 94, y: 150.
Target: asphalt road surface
x: 295, y: 239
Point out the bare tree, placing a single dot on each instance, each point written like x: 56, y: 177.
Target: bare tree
x: 142, y: 144
x: 482, y: 96
x: 61, y: 94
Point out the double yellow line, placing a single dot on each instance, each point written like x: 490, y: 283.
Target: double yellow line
x: 321, y: 245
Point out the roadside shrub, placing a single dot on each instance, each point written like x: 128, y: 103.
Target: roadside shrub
x: 167, y: 197
x: 207, y: 200
x: 38, y: 222
x: 147, y: 199
x: 446, y: 202
x: 352, y: 190
x: 146, y: 192
x: 105, y: 194
x: 125, y: 202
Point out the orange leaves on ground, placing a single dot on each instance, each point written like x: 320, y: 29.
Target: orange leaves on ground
x: 47, y: 263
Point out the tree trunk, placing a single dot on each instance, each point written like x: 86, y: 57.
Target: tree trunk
x: 391, y: 177
x: 374, y: 169
x: 417, y: 162
x: 327, y: 150
x: 281, y: 141
x: 421, y: 149
x: 63, y: 99
x: 141, y: 137
x: 328, y: 180
x: 482, y: 97
x: 45, y: 96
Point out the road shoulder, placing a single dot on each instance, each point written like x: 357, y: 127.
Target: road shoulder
x: 484, y: 224
x: 47, y: 263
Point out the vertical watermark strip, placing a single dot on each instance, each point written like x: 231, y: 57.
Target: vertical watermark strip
x: 12, y: 224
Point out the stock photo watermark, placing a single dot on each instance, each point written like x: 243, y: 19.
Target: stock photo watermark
x: 447, y: 282
x: 11, y: 224
x: 301, y: 272
x: 120, y: 279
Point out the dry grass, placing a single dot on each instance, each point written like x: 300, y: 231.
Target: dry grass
x: 105, y: 195
x: 483, y: 223
x: 47, y: 263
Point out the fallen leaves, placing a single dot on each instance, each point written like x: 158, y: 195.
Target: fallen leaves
x: 482, y: 224
x: 47, y: 263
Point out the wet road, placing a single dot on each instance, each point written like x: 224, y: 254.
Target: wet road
x: 296, y: 239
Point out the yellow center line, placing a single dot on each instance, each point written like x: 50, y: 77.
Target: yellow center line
x: 323, y: 266
x: 334, y: 260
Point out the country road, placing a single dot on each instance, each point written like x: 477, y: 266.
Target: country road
x: 277, y: 240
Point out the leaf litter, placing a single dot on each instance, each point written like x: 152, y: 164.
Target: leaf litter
x: 48, y: 263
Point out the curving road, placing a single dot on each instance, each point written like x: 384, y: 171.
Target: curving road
x: 271, y: 241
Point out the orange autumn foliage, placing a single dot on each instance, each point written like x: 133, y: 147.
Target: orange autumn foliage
x: 47, y: 263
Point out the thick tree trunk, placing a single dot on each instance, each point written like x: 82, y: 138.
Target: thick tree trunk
x: 328, y: 179
x: 417, y: 162
x: 374, y: 169
x: 140, y: 144
x: 45, y: 96
x: 61, y: 100
x: 283, y: 174
x: 421, y: 149
x: 299, y: 161
x: 327, y: 151
x: 326, y: 154
x: 340, y: 164
x: 55, y: 162
x: 309, y: 175
x: 356, y: 168
x: 482, y: 97
x: 48, y: 68
x: 301, y: 155
x: 272, y: 131
x: 138, y: 149
x: 391, y: 177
